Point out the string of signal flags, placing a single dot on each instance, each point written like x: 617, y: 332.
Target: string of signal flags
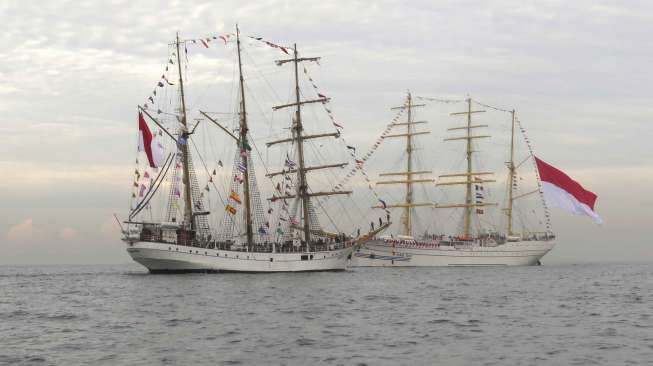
x: 226, y: 38
x: 205, y: 42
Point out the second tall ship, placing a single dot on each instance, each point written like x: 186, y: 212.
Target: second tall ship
x: 476, y: 244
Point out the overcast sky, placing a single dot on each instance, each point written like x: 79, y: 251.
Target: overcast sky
x: 71, y: 72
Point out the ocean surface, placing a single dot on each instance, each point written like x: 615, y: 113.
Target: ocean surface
x: 120, y: 315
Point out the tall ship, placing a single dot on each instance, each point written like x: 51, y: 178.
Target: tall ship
x: 473, y: 240
x: 175, y: 225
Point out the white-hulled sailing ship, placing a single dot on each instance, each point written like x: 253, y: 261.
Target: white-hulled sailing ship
x: 245, y: 240
x: 475, y: 245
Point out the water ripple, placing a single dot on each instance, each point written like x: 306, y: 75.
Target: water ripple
x: 571, y: 315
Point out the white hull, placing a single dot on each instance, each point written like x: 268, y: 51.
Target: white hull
x: 164, y: 257
x: 382, y: 253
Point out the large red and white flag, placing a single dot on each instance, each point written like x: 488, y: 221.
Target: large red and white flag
x: 563, y: 192
x: 147, y: 142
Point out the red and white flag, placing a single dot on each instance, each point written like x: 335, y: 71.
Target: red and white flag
x: 147, y: 142
x: 563, y: 192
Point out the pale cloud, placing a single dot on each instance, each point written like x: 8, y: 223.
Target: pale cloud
x: 578, y: 139
x: 43, y: 176
x: 68, y: 233
x: 24, y: 231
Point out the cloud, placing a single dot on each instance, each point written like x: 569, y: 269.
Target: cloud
x: 68, y: 233
x: 24, y: 231
x: 31, y: 176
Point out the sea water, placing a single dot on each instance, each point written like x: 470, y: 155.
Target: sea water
x: 596, y: 314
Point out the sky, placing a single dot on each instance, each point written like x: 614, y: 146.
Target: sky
x: 72, y: 72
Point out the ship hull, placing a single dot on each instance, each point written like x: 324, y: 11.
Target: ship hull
x: 380, y: 253
x: 170, y: 258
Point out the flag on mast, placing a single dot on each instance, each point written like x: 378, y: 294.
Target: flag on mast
x: 563, y: 192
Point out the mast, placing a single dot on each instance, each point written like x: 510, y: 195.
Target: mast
x: 511, y: 173
x: 408, y: 203
x: 299, y: 137
x: 468, y: 188
x: 243, y: 146
x: 301, y: 172
x: 188, y: 205
x: 409, y: 171
x: 470, y: 176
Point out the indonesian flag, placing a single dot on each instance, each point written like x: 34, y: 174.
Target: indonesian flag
x: 563, y: 192
x: 147, y: 142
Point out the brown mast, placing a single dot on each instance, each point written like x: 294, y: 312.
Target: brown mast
x: 243, y: 145
x: 408, y: 204
x: 470, y: 176
x: 188, y: 204
x: 297, y: 131
x: 468, y: 188
x: 511, y: 173
x: 299, y: 137
x: 409, y: 186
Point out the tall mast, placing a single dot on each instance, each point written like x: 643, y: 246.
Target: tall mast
x: 408, y: 204
x: 471, y: 177
x: 299, y: 137
x: 188, y: 205
x: 468, y: 191
x: 244, y: 145
x: 301, y: 172
x: 511, y: 173
x: 409, y: 171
